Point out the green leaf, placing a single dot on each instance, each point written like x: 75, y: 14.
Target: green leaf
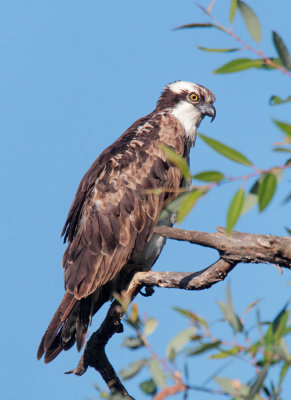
x: 177, y: 160
x: 196, y: 25
x: 251, y: 20
x: 209, y: 176
x: 188, y: 203
x: 133, y: 342
x: 251, y: 198
x: 226, y: 151
x: 178, y: 342
x: 283, y: 372
x: 229, y: 387
x: 239, y: 64
x: 288, y: 230
x: 215, y: 50
x: 280, y: 322
x: 275, y: 100
x: 150, y: 326
x: 226, y: 353
x: 173, y: 206
x: 234, y: 210
x: 256, y: 386
x: 266, y: 190
x: 286, y: 128
x: 133, y: 369
x: 282, y: 149
x: 204, y: 347
x: 148, y: 387
x: 194, y: 317
x: 282, y: 50
x: 157, y: 373
x: 233, y: 8
x: 228, y: 312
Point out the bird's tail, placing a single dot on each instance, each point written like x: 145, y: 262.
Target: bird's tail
x: 51, y: 343
x: 70, y: 323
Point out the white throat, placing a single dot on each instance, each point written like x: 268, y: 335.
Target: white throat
x: 189, y: 117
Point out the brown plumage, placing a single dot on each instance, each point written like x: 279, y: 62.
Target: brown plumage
x: 110, y: 224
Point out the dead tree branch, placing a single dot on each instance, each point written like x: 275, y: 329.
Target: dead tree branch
x: 236, y: 248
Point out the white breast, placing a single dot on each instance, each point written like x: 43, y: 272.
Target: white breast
x: 189, y: 117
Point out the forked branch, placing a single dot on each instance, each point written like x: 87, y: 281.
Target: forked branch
x: 236, y: 248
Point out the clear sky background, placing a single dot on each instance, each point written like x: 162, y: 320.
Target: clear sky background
x: 74, y: 76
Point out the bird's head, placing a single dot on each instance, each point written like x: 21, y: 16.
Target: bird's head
x: 189, y: 103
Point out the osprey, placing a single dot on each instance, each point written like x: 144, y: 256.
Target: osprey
x: 109, y: 228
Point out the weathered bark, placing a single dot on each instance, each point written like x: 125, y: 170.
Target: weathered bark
x: 233, y: 249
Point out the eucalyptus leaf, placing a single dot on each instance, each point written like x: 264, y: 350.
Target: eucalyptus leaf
x: 204, y: 347
x: 150, y: 326
x: 216, y: 50
x: 233, y: 8
x: 182, y: 338
x: 282, y: 50
x: 188, y: 203
x: 282, y: 149
x: 251, y: 198
x: 196, y: 25
x: 266, y: 190
x: 234, y: 210
x: 209, y: 176
x: 256, y: 386
x: 284, y: 126
x: 133, y: 342
x: 225, y: 353
x: 251, y: 20
x: 157, y: 372
x: 173, y: 207
x: 177, y: 160
x: 226, y: 151
x: 275, y: 100
x: 239, y: 64
x: 133, y: 369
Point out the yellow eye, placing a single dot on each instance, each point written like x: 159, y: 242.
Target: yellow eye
x: 193, y: 97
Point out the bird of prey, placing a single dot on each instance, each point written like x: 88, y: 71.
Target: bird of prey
x: 109, y: 228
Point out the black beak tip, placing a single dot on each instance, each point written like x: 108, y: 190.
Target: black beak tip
x: 213, y: 114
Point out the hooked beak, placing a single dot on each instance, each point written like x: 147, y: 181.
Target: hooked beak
x: 208, y: 109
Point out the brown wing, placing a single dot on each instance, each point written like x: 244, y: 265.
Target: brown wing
x: 111, y: 219
x: 117, y: 217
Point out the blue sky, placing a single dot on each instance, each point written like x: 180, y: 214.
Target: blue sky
x: 74, y: 76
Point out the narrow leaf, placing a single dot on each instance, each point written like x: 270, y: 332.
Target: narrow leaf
x: 209, y: 176
x: 196, y: 25
x: 234, y: 210
x: 133, y: 369
x: 226, y: 151
x: 283, y: 372
x: 251, y: 198
x: 188, y: 203
x: 275, y: 100
x: 282, y: 50
x: 178, y: 342
x: 215, y: 50
x: 251, y: 20
x: 288, y: 230
x: 150, y: 326
x: 258, y: 383
x: 226, y: 353
x: 233, y: 8
x: 173, y: 206
x: 194, y: 317
x: 204, y: 347
x: 177, y: 160
x: 266, y: 190
x: 230, y: 387
x: 157, y: 373
x: 284, y: 127
x: 239, y: 64
x: 282, y: 149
